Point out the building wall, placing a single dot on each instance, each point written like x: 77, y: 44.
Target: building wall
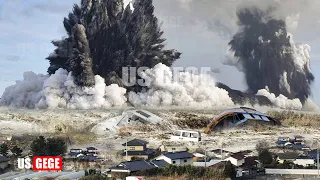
x: 235, y: 161
x: 138, y: 157
x: 304, y: 162
x: 176, y: 161
x: 136, y: 148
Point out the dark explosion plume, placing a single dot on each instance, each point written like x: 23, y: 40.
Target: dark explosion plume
x: 263, y: 48
x: 103, y: 37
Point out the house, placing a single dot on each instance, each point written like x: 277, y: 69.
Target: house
x: 159, y: 163
x: 283, y: 141
x: 298, y: 139
x: 73, y: 153
x: 299, y: 146
x: 4, y: 162
x: 132, y: 166
x: 250, y: 166
x: 304, y: 161
x: 287, y: 156
x: 136, y: 148
x: 173, y: 148
x: 236, y: 159
x: 141, y: 116
x: 219, y: 153
x: 91, y: 150
x: 177, y: 158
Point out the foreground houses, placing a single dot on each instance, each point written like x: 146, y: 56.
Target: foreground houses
x: 178, y: 158
x: 136, y: 149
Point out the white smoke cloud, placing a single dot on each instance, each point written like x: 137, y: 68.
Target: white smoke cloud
x: 283, y: 83
x: 59, y: 91
x: 180, y: 89
x: 281, y: 101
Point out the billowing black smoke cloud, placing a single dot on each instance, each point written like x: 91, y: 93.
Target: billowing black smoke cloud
x: 268, y: 56
x: 103, y: 37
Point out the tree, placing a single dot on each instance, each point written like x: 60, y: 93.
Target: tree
x: 16, y: 151
x: 4, y: 149
x: 56, y: 146
x: 104, y: 36
x: 38, y: 146
x: 265, y: 157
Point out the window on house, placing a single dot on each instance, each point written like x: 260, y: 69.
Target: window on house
x: 185, y: 160
x: 173, y: 149
x: 173, y: 162
x: 132, y: 148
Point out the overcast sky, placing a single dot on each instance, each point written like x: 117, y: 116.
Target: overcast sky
x: 200, y: 29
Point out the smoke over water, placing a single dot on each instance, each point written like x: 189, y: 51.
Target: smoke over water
x: 267, y: 54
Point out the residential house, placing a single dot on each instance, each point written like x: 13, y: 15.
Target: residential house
x: 173, y: 148
x: 250, y: 166
x: 304, y: 161
x: 298, y: 139
x: 177, y: 158
x: 74, y: 153
x: 236, y: 159
x: 283, y: 141
x: 91, y: 151
x: 4, y: 162
x: 159, y: 163
x: 136, y: 148
x: 287, y: 156
x: 131, y: 166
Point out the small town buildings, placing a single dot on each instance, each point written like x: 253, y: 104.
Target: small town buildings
x: 4, y: 162
x: 178, y: 158
x: 313, y: 154
x: 136, y: 149
x: 304, y: 161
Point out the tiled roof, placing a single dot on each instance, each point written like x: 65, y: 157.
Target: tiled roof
x: 160, y: 163
x: 135, y: 142
x: 134, y: 165
x: 179, y: 155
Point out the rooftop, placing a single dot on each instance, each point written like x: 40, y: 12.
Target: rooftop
x: 4, y: 159
x: 134, y: 165
x: 137, y: 153
x: 178, y: 155
x: 135, y: 142
x: 159, y: 163
x: 288, y: 155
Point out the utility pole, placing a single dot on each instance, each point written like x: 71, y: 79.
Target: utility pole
x: 205, y: 157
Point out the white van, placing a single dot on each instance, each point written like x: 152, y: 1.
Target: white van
x: 186, y: 135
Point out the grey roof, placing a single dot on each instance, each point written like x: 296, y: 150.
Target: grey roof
x: 91, y: 148
x: 179, y: 155
x: 288, y: 155
x: 134, y: 165
x: 4, y: 159
x: 136, y: 142
x: 160, y: 163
